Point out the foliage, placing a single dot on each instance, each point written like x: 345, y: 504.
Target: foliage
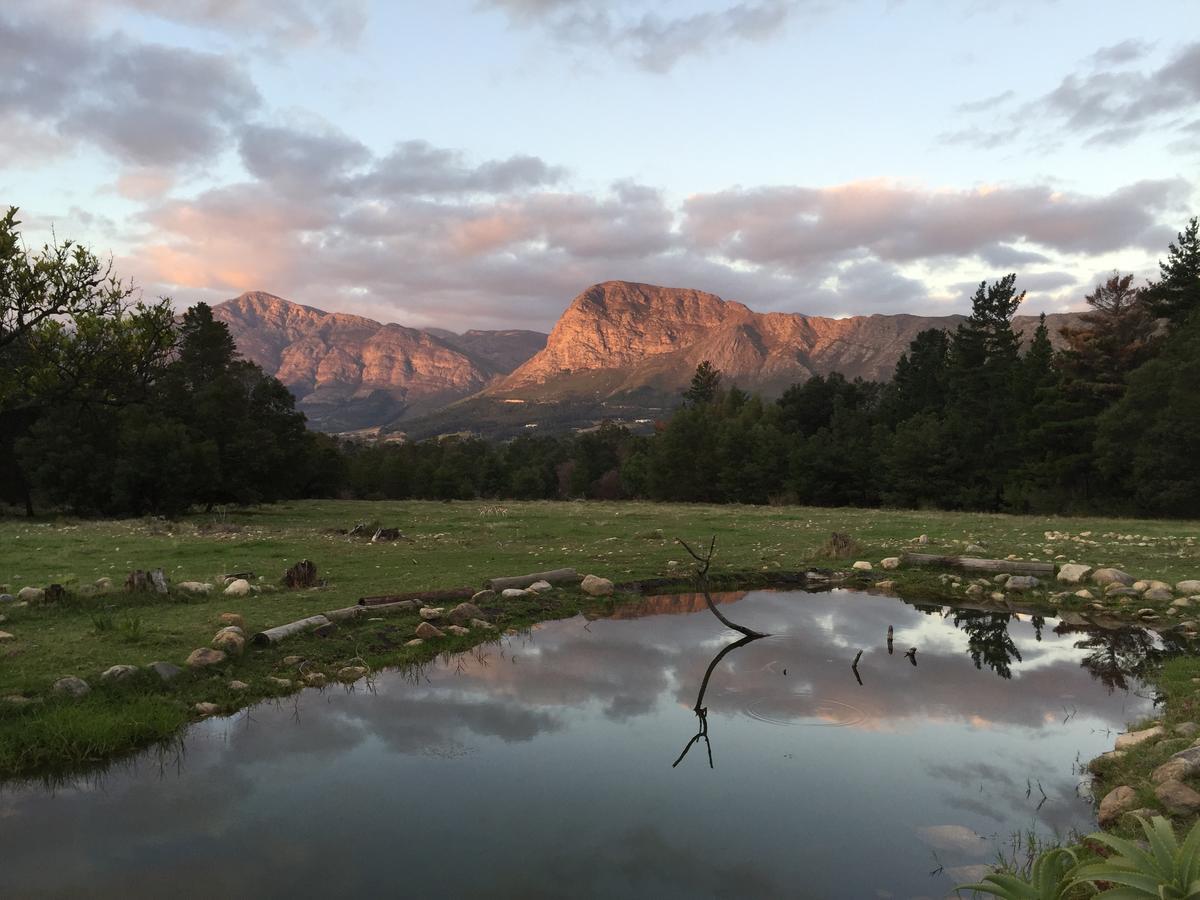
x: 705, y: 383
x: 1165, y: 869
x: 1176, y: 294
x: 1050, y: 879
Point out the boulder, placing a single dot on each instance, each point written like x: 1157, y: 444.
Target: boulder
x: 923, y: 539
x: 292, y: 660
x: 228, y: 641
x: 1178, y: 798
x: 458, y: 629
x: 513, y: 593
x: 1188, y: 587
x: 479, y: 623
x: 1021, y: 583
x: 862, y: 566
x: 202, y: 657
x: 238, y: 686
x: 351, y: 673
x: 885, y: 585
x: 239, y: 587
x: 1157, y: 595
x: 103, y: 584
x: 540, y: 586
x: 71, y: 685
x: 206, y: 709
x: 1117, y: 801
x: 975, y: 548
x: 7, y: 598
x: 1002, y: 579
x: 1132, y: 739
x: 1085, y: 594
x: 1187, y: 729
x: 280, y: 682
x: 165, y: 670
x: 1119, y: 590
x: 5, y: 636
x: 1178, y: 766
x: 429, y: 613
x: 891, y: 562
x: 1097, y: 765
x: 194, y: 587
x: 428, y: 631
x: 232, y: 629
x: 484, y: 596
x: 231, y: 619
x: 1073, y: 573
x: 117, y: 673
x: 974, y: 591
x: 1112, y: 576
x: 415, y: 642
x: 464, y: 613
x: 315, y: 679
x: 31, y: 595
x: 596, y: 586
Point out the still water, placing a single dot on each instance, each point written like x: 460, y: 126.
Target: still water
x: 541, y: 766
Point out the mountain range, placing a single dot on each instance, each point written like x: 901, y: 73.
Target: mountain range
x: 621, y: 350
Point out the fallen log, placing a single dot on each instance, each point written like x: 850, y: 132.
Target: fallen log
x: 555, y: 576
x: 346, y: 612
x: 464, y: 593
x: 1009, y: 566
x: 281, y: 632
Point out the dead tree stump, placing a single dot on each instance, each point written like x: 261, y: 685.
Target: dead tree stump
x: 302, y: 575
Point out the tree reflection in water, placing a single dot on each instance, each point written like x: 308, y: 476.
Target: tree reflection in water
x: 700, y: 709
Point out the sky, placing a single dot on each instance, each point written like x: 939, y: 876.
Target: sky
x: 477, y: 163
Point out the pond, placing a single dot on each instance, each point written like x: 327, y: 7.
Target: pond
x: 542, y: 765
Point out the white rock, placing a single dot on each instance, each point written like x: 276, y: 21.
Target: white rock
x: 1073, y: 573
x: 72, y: 685
x: 117, y: 673
x: 1188, y: 587
x: 195, y: 587
x: 1112, y: 576
x: 239, y: 587
x: 540, y: 586
x: 513, y: 593
x: 863, y: 566
x: 31, y: 595
x: 596, y: 586
x: 891, y: 562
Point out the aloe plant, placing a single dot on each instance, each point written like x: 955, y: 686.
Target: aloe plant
x: 1050, y: 878
x: 1164, y: 870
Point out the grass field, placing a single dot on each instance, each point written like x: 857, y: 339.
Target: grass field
x: 452, y: 545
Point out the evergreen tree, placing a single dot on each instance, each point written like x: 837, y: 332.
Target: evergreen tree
x: 1176, y: 294
x: 705, y: 383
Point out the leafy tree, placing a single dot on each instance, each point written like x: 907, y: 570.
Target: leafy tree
x: 705, y: 383
x: 1176, y: 294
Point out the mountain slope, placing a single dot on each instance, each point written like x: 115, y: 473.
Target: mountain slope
x: 350, y: 372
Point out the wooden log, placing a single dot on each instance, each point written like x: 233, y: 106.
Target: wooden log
x: 464, y: 593
x: 555, y: 576
x: 1009, y: 566
x: 282, y: 632
x: 398, y: 607
x: 158, y: 580
x: 346, y: 612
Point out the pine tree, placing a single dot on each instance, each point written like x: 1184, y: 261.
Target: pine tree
x: 705, y: 384
x: 1177, y: 293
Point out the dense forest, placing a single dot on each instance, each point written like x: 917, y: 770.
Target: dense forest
x: 116, y: 407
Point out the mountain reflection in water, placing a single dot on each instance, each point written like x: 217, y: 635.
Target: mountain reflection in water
x: 542, y: 765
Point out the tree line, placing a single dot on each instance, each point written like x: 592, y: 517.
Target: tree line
x: 112, y: 406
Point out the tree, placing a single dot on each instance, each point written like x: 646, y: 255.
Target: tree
x: 1176, y: 294
x: 705, y: 383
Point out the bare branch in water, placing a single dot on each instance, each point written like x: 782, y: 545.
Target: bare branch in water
x: 700, y: 709
x: 702, y: 584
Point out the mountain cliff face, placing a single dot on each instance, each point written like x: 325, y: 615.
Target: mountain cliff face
x: 617, y: 338
x: 351, y: 372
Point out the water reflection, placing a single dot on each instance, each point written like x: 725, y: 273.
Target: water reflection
x: 565, y: 731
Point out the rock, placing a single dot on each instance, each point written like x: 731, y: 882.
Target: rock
x: 428, y: 631
x: 232, y: 629
x: 1178, y: 766
x: 1112, y: 576
x: 118, y: 673
x: 165, y: 670
x: 974, y: 548
x: 238, y: 686
x: 31, y: 595
x: 351, y: 673
x: 1140, y: 586
x: 513, y: 593
x: 923, y: 539
x: 596, y: 586
x: 1002, y: 579
x: 1119, y: 590
x: 1181, y: 603
x: 415, y: 642
x: 485, y: 596
x: 429, y: 613
x: 1098, y: 764
x: 464, y: 612
x: 1188, y: 587
x: 1187, y: 729
x: 1021, y: 583
x: 885, y: 585
x: 540, y: 586
x: 1132, y: 739
x: 280, y: 682
x: 103, y: 584
x: 239, y: 587
x: 202, y: 657
x: 1147, y: 613
x: 75, y: 687
x: 974, y: 591
x: 458, y: 629
x: 1073, y: 573
x: 862, y: 566
x: 997, y: 596
x: 1085, y: 594
x: 479, y: 623
x: 1178, y: 798
x: 1157, y: 595
x: 1117, y: 801
x: 315, y: 679
x: 194, y: 587
x: 229, y: 641
x: 7, y: 598
x: 231, y: 619
x: 292, y: 660
x: 891, y: 562
x: 206, y: 709
x: 5, y: 636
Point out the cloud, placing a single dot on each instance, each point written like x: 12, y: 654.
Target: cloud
x: 1102, y: 104
x: 651, y: 40
x: 143, y: 104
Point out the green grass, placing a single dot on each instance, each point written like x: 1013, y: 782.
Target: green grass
x: 451, y: 545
